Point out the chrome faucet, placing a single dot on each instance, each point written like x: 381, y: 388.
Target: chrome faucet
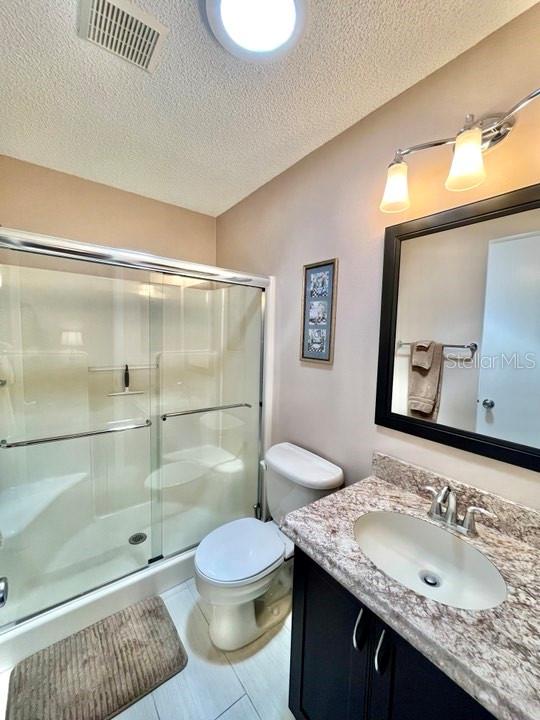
x: 451, y: 514
x: 437, y: 510
x: 444, y: 509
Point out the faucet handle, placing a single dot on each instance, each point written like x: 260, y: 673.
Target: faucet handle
x: 469, y: 521
x: 438, y: 497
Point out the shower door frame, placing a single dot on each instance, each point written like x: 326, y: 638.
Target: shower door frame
x: 37, y: 244
x: 121, y: 257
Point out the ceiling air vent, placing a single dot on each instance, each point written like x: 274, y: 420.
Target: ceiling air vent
x: 124, y: 29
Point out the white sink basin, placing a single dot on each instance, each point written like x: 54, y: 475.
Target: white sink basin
x: 430, y: 560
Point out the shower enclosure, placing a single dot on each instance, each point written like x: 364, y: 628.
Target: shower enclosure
x: 130, y: 413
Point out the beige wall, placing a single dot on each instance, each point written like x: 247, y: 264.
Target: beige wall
x: 37, y: 199
x: 327, y: 205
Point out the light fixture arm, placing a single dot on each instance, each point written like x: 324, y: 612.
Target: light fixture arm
x: 520, y: 105
x: 494, y: 128
x: 402, y: 152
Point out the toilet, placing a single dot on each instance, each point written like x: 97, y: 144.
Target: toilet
x: 243, y: 569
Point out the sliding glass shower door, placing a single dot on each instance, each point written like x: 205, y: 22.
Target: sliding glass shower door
x: 129, y: 421
x: 74, y: 441
x: 209, y: 378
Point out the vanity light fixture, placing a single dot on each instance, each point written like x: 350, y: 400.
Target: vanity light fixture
x: 396, y: 191
x: 467, y: 168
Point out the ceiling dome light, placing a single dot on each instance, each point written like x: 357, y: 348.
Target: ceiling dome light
x: 256, y: 30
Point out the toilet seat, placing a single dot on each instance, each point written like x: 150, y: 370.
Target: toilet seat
x: 239, y: 552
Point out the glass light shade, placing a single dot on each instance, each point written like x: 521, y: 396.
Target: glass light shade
x: 259, y: 25
x: 396, y: 191
x: 467, y: 169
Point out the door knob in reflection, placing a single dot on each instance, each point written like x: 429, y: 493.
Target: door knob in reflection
x: 488, y: 404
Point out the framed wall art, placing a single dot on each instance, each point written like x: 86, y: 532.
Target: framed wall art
x: 318, y: 316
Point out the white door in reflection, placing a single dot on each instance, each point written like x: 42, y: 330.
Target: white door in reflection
x: 509, y: 380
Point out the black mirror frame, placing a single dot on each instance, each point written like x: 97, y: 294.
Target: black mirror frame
x: 513, y: 202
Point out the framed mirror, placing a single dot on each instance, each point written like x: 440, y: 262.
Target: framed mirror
x: 459, y: 351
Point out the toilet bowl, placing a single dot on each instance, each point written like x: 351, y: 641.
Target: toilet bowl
x: 237, y: 564
x: 243, y: 569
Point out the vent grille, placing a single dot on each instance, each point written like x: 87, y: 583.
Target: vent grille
x: 122, y: 28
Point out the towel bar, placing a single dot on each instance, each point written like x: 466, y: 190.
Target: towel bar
x: 472, y: 346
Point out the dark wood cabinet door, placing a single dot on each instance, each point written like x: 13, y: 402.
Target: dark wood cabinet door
x: 407, y: 686
x: 346, y: 664
x: 329, y: 647
x: 381, y: 672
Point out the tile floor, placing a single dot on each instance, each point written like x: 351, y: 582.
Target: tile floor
x: 247, y: 684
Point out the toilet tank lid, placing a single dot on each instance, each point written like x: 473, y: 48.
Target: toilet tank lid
x: 303, y: 467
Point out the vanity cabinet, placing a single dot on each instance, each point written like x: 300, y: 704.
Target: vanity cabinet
x: 346, y: 664
x: 329, y: 647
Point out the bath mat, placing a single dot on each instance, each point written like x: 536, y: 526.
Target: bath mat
x: 101, y: 670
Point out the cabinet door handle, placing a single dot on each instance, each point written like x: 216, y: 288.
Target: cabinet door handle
x: 378, y: 652
x: 355, y: 631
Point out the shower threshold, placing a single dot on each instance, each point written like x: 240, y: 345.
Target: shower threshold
x: 18, y: 640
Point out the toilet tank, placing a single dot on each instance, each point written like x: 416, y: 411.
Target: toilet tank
x: 295, y: 477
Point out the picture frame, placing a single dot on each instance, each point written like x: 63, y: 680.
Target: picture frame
x: 318, y: 311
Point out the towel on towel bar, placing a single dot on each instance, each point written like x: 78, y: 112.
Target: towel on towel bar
x: 425, y: 379
x: 422, y: 354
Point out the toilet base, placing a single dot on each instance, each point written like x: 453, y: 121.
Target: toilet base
x: 234, y: 626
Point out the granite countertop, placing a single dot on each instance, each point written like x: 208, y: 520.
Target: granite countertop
x: 492, y: 654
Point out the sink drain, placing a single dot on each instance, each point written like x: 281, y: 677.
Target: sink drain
x: 430, y: 579
x: 137, y: 538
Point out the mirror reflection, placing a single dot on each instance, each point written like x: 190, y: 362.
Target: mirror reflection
x: 467, y: 351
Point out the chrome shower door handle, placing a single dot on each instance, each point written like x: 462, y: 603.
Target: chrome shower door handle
x: 3, y: 591
x: 5, y: 444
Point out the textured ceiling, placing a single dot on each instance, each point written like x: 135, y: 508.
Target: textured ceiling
x: 207, y: 129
